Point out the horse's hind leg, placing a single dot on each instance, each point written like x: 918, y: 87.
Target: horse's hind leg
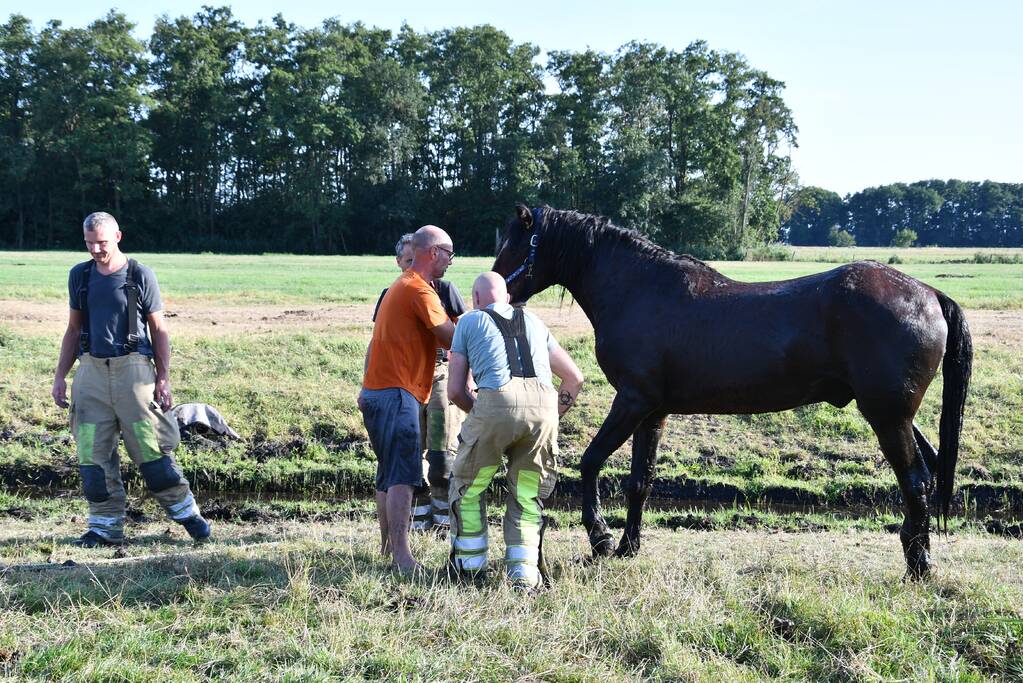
x: 899, y: 445
x: 637, y: 488
x: 626, y: 414
x: 930, y: 455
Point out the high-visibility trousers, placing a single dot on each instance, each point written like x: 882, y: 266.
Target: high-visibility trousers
x: 112, y: 400
x: 440, y: 421
x: 520, y: 421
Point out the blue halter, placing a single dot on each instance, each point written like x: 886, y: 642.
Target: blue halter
x: 527, y: 265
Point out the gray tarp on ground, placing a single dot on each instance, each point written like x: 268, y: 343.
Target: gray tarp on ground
x: 190, y: 415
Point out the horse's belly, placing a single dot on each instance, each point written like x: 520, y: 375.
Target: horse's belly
x: 767, y: 397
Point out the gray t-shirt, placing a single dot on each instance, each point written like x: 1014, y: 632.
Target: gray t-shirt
x: 478, y: 339
x: 108, y: 308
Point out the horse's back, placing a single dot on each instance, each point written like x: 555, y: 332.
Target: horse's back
x: 759, y: 347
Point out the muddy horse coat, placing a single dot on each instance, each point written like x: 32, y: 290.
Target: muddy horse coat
x: 674, y: 336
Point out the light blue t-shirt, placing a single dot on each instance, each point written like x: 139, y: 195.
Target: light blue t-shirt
x: 478, y: 339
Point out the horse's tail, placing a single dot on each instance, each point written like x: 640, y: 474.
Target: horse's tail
x: 956, y: 369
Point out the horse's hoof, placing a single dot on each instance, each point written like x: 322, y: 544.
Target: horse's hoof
x: 918, y: 573
x: 603, y: 546
x: 627, y: 548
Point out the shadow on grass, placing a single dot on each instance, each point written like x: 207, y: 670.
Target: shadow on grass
x: 184, y: 572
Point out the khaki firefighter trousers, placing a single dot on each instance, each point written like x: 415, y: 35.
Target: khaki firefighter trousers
x: 439, y: 423
x: 112, y: 399
x: 519, y: 420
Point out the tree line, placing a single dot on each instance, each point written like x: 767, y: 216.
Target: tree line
x: 214, y: 135
x: 951, y: 213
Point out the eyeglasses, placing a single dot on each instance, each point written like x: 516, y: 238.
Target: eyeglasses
x: 449, y: 252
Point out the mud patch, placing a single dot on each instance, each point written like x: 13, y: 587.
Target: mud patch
x: 17, y: 512
x: 265, y: 513
x: 1001, y: 528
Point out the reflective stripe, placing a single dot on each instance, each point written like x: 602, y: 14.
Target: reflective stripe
x: 183, y: 510
x: 470, y: 563
x: 178, y: 507
x: 106, y: 521
x: 85, y: 438
x: 441, y: 519
x: 471, y: 504
x: 436, y: 430
x: 420, y: 510
x: 469, y: 543
x: 521, y: 553
x: 439, y: 504
x: 147, y: 440
x: 524, y: 573
x: 527, y: 491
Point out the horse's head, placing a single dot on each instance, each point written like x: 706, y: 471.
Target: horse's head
x: 518, y: 258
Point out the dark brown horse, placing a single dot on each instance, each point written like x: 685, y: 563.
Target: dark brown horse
x: 674, y: 336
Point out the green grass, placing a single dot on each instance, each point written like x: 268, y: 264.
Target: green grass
x: 907, y: 254
x: 292, y: 394
x: 292, y: 589
x: 292, y: 397
x: 283, y: 279
x: 302, y: 600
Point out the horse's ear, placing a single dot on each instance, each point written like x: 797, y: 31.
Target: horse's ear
x: 524, y: 215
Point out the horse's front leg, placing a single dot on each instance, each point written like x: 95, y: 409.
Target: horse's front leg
x: 641, y: 477
x: 626, y: 414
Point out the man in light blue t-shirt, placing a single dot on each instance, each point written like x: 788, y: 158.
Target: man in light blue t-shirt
x: 512, y: 356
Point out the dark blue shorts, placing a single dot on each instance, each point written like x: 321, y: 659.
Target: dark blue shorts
x: 392, y: 420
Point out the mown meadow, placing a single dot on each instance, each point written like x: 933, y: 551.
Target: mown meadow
x: 770, y: 551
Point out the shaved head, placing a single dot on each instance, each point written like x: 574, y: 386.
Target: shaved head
x: 433, y: 252
x: 430, y: 236
x: 489, y: 288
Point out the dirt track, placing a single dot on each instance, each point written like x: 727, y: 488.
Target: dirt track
x: 1002, y: 328
x: 191, y: 320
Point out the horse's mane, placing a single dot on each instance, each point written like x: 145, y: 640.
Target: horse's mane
x: 592, y: 231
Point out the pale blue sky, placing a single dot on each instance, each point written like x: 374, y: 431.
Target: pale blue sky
x: 881, y: 91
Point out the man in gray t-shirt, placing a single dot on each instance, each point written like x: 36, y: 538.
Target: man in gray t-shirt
x: 108, y: 306
x: 118, y: 393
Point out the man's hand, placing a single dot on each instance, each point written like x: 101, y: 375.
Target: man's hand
x: 162, y: 394
x: 571, y: 376
x: 59, y: 392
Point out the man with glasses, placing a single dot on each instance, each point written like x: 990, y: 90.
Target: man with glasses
x: 440, y: 419
x: 410, y: 325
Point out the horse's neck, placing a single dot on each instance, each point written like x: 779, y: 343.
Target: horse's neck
x: 604, y: 287
x: 616, y: 275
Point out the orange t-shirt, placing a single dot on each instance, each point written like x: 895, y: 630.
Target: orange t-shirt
x: 404, y: 350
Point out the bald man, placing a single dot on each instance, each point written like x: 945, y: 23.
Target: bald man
x: 512, y: 356
x: 410, y: 324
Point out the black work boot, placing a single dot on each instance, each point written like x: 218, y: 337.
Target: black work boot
x: 198, y: 528
x: 90, y: 539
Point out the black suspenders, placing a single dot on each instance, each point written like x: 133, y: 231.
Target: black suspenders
x: 520, y: 358
x: 83, y: 306
x: 131, y: 292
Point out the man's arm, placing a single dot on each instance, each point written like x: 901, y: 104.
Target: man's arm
x: 161, y: 357
x: 444, y: 333
x: 365, y: 367
x: 68, y: 347
x: 458, y: 381
x: 571, y: 376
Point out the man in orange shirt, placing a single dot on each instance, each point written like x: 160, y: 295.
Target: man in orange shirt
x: 411, y: 323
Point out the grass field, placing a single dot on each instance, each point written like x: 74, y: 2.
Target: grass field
x: 735, y: 589
x: 307, y: 600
